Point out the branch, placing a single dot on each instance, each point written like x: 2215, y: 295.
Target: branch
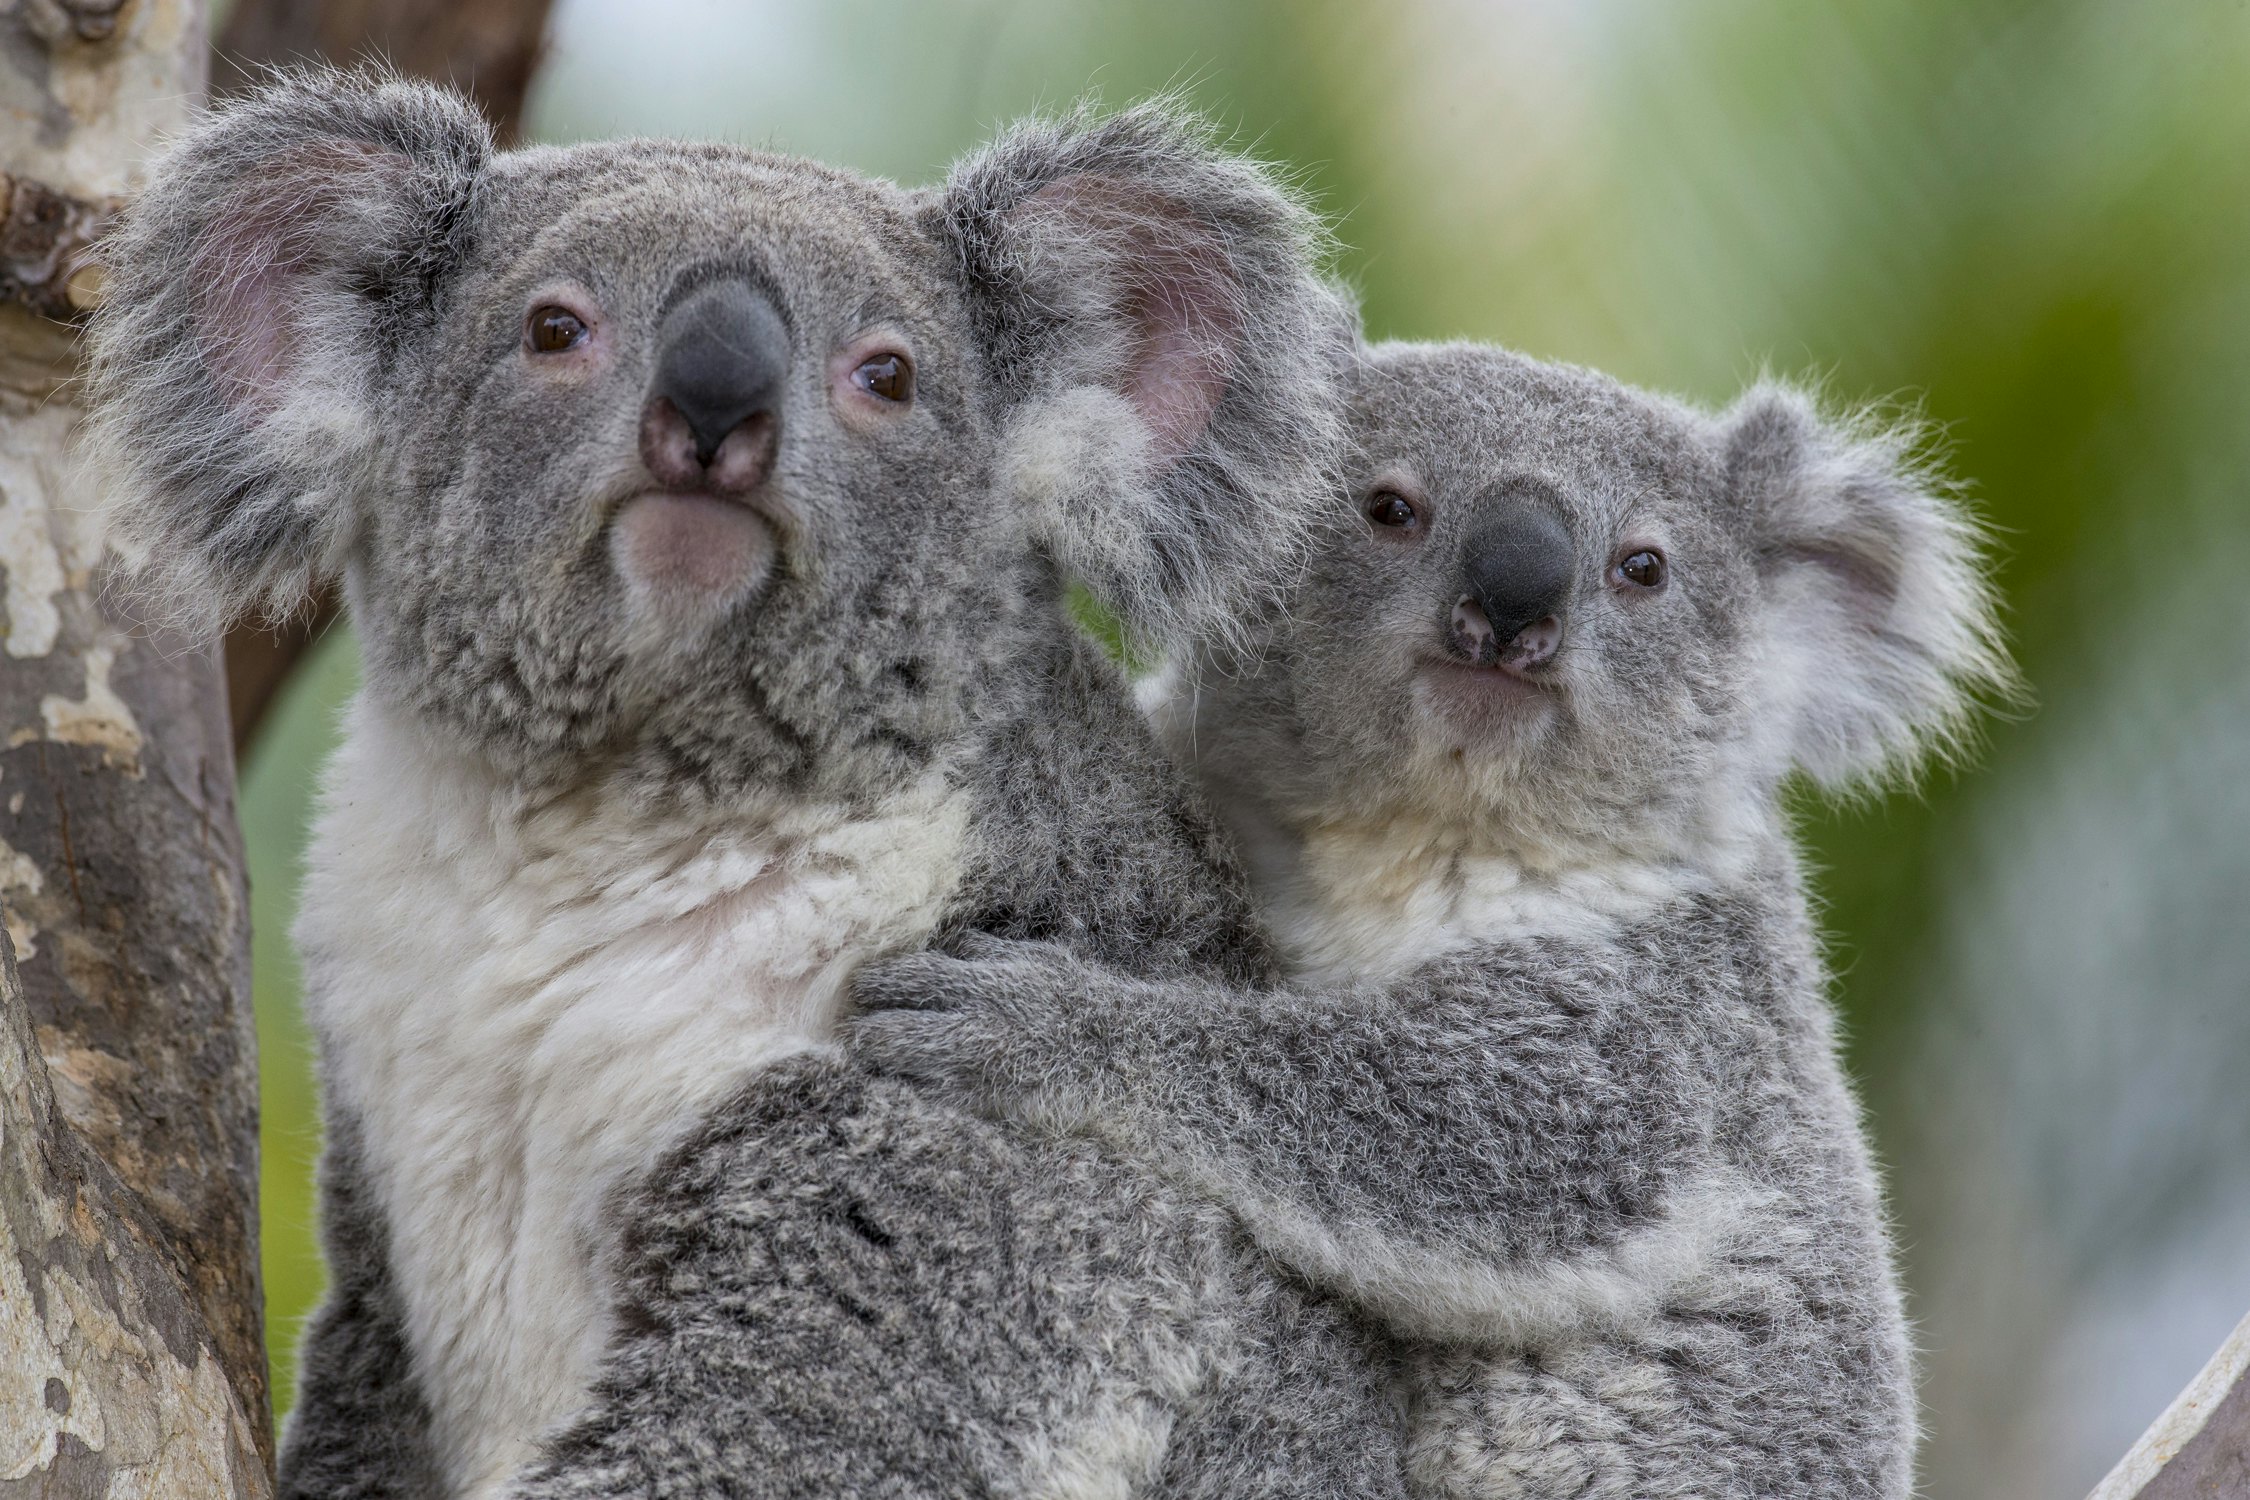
x: 488, y: 49
x: 46, y: 247
x: 2201, y: 1445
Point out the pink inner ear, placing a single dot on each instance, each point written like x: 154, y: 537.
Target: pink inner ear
x: 1861, y: 576
x: 1190, y: 329
x: 263, y: 252
x: 1181, y: 299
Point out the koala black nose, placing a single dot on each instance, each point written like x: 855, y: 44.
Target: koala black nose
x: 1516, y: 572
x: 722, y: 356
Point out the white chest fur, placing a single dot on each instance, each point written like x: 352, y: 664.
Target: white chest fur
x: 1368, y: 902
x: 523, y: 1007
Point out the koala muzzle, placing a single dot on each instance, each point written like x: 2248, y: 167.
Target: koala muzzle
x: 1516, y: 572
x: 713, y: 417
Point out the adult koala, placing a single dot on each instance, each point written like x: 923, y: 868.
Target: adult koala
x: 705, y: 515
x: 1553, y: 1092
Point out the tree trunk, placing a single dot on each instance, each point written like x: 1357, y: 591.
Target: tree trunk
x: 130, y: 1306
x: 486, y: 48
x: 113, y: 1385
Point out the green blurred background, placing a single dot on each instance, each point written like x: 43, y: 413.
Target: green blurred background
x: 2029, y: 217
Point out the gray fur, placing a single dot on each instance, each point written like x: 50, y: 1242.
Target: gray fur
x: 1578, y: 1137
x: 847, y: 1287
x: 359, y: 1430
x: 368, y: 227
x: 311, y: 361
x: 844, y: 1288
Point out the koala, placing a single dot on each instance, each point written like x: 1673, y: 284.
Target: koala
x: 1551, y: 1093
x: 706, y: 516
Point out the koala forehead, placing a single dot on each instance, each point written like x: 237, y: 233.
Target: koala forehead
x: 1459, y: 421
x: 632, y: 220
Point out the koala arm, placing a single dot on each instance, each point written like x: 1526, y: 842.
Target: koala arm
x: 1694, y: 1403
x: 1456, y: 1150
x: 360, y: 1429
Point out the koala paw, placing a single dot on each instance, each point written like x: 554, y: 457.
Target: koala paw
x: 973, y: 1021
x: 927, y: 1046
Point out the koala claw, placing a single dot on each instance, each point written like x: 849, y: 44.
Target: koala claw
x: 910, y: 981
x: 982, y: 1021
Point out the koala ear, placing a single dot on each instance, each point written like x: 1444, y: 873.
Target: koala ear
x: 258, y: 291
x: 1150, y: 308
x: 1879, y: 628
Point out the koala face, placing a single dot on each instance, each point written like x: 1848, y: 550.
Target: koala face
x: 1583, y: 619
x: 695, y: 453
x: 723, y: 467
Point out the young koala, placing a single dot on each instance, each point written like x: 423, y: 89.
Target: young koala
x: 1553, y: 1092
x: 705, y: 517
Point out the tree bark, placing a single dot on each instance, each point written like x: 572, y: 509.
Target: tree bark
x: 2200, y: 1448
x: 486, y: 48
x: 113, y: 1386
x: 130, y: 1303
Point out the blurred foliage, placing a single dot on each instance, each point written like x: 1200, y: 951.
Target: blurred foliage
x: 2027, y: 219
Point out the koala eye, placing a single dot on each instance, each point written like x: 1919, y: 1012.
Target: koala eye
x: 1643, y: 569
x: 552, y: 329
x: 1390, y: 508
x: 889, y: 375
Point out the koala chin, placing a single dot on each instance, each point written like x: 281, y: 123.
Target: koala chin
x: 1551, y: 1092
x: 687, y: 561
x: 711, y: 608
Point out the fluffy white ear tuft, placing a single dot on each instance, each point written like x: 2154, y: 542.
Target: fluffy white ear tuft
x: 1880, y: 627
x: 286, y: 248
x: 1150, y: 305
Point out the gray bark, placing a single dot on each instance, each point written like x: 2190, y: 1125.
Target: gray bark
x: 130, y: 1305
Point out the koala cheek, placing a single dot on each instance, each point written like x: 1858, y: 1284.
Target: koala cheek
x: 687, y: 560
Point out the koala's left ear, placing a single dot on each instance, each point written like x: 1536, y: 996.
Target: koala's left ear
x: 286, y: 248
x: 1151, y: 310
x: 1879, y: 631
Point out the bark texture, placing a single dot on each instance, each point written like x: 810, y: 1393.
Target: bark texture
x: 2200, y: 1448
x: 130, y: 1305
x: 486, y: 48
x: 112, y: 1384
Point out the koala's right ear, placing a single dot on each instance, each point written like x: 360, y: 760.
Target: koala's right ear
x: 1150, y: 309
x: 1881, y: 638
x: 257, y: 290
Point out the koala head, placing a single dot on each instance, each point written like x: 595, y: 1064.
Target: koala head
x: 1585, y: 621
x: 718, y: 468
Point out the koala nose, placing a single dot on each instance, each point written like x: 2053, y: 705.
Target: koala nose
x: 1516, y: 572
x: 714, y: 408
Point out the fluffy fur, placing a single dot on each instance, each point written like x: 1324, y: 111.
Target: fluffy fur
x: 523, y: 1005
x: 1553, y: 1092
x: 588, y: 867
